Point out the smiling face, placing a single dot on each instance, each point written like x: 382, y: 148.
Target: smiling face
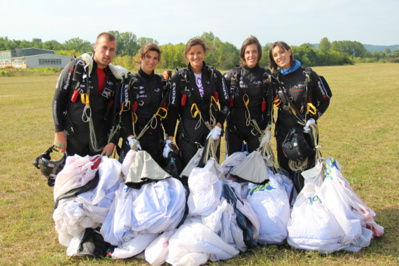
x: 251, y: 55
x: 149, y: 62
x: 104, y: 51
x: 195, y: 55
x: 282, y: 57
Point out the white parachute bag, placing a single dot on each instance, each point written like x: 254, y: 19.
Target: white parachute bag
x: 271, y: 204
x: 312, y: 226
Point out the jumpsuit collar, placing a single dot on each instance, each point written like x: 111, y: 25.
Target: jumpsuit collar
x: 145, y: 75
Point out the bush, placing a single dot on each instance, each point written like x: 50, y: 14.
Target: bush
x: 4, y: 73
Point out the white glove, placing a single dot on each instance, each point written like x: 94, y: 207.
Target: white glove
x: 306, y: 129
x: 167, y: 149
x: 266, y: 137
x: 132, y: 141
x: 215, y: 133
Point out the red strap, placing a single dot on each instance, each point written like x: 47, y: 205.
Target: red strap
x: 96, y: 161
x: 101, y: 80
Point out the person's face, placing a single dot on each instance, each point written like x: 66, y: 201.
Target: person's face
x: 149, y: 62
x: 104, y: 51
x: 251, y: 55
x: 282, y: 57
x: 196, y: 56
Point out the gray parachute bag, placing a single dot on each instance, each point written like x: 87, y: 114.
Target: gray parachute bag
x: 252, y: 169
x: 144, y: 169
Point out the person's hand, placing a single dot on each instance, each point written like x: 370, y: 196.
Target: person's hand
x: 167, y: 148
x: 108, y: 149
x: 60, y: 141
x: 311, y: 121
x: 133, y: 142
x: 215, y: 133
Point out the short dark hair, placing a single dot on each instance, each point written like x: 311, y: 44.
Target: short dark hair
x: 248, y: 41
x: 148, y: 47
x: 272, y: 64
x: 192, y: 42
x: 109, y: 36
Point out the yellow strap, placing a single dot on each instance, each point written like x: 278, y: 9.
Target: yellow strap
x: 84, y: 97
x: 311, y: 109
x: 214, y: 103
x: 134, y: 117
x: 123, y: 107
x: 245, y: 98
x: 292, y: 109
x: 194, y: 106
x: 163, y: 110
x: 277, y: 102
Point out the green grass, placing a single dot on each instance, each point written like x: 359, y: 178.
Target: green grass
x: 360, y: 129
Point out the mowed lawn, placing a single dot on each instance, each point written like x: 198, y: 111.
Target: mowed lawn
x: 360, y: 130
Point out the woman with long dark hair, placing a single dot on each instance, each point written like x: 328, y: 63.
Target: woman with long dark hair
x: 250, y: 91
x: 199, y: 100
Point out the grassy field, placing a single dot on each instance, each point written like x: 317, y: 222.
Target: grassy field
x: 360, y: 129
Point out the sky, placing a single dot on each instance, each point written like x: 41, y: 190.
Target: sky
x: 293, y: 21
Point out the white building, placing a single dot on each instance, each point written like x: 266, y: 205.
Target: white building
x: 31, y: 58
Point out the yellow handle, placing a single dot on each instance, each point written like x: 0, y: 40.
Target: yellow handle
x: 84, y: 97
x: 311, y: 109
x: 163, y: 110
x: 196, y: 111
x: 123, y: 109
x: 245, y: 98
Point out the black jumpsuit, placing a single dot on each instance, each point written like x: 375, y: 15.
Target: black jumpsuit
x: 150, y: 95
x: 250, y: 83
x: 76, y: 129
x: 294, y: 84
x: 188, y: 137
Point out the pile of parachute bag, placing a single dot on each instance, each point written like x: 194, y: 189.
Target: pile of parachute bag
x: 149, y: 203
x: 137, y: 208
x: 84, y: 191
x: 328, y: 215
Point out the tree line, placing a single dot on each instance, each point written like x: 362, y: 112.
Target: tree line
x: 222, y: 55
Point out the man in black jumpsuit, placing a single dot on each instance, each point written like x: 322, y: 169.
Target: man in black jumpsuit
x: 72, y: 131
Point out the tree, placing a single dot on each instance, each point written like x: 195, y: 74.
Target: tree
x: 52, y: 45
x: 324, y: 45
x: 37, y: 43
x: 126, y: 43
x: 354, y: 49
x: 79, y: 45
x: 144, y: 40
x: 208, y: 36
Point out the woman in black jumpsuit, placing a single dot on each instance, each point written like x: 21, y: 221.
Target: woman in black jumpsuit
x: 197, y: 86
x: 146, y: 94
x: 293, y: 85
x: 249, y: 91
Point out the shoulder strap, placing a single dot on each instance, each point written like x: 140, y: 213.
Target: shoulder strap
x: 74, y: 80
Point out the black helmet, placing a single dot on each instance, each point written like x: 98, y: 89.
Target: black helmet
x: 49, y: 168
x: 174, y: 165
x: 297, y: 146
